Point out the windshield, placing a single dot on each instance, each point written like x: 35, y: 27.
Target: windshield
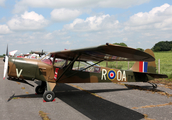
x: 47, y: 59
x: 57, y: 62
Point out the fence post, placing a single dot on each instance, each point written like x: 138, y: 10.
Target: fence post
x: 128, y: 64
x: 106, y: 64
x: 158, y: 66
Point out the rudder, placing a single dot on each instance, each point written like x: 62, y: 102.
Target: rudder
x: 143, y: 66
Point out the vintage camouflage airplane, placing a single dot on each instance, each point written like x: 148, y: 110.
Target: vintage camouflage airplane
x: 73, y: 66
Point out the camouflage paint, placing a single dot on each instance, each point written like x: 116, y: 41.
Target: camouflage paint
x: 31, y: 69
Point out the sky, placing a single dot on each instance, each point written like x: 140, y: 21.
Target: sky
x: 55, y: 25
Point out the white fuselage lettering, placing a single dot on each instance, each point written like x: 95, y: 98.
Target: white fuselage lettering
x: 18, y: 73
x: 121, y: 76
x: 104, y: 72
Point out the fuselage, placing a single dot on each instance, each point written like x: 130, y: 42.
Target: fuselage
x: 31, y: 69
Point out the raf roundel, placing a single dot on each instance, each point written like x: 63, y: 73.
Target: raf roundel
x: 111, y: 74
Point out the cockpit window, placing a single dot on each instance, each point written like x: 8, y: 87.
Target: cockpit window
x: 84, y: 66
x: 78, y: 65
x: 60, y: 62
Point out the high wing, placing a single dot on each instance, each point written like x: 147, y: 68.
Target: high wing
x: 106, y: 52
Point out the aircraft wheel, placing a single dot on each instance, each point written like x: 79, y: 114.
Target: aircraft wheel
x: 40, y: 89
x: 49, y: 96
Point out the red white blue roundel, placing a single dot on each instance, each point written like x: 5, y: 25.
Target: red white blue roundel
x: 111, y: 74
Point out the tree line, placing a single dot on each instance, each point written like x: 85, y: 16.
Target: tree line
x: 125, y: 45
x: 160, y: 46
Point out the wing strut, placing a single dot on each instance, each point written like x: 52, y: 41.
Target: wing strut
x: 92, y: 65
x: 68, y: 67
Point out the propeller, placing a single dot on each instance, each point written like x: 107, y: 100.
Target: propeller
x: 6, y: 63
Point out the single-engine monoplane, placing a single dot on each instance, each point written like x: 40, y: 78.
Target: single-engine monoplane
x: 74, y: 66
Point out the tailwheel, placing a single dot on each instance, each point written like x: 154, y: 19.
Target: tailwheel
x: 49, y: 96
x: 40, y: 89
x: 153, y: 85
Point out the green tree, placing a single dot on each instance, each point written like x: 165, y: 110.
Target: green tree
x: 140, y: 49
x: 162, y: 46
x: 121, y: 44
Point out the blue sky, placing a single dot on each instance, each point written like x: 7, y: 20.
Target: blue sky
x: 54, y: 25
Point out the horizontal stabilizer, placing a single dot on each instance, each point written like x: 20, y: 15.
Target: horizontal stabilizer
x: 157, y: 75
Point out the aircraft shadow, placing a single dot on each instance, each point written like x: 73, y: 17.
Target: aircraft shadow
x: 89, y: 105
x: 146, y: 88
x: 94, y: 107
x: 24, y: 96
x: 61, y: 89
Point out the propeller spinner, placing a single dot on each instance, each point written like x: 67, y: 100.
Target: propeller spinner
x: 6, y: 63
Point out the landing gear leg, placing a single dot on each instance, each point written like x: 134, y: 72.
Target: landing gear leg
x: 153, y: 85
x: 41, y: 88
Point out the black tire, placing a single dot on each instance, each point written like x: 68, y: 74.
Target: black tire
x: 49, y: 96
x: 40, y: 89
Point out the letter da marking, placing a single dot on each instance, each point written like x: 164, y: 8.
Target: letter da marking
x: 104, y: 72
x: 18, y: 73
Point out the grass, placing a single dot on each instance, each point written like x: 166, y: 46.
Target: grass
x: 118, y: 64
x: 165, y: 63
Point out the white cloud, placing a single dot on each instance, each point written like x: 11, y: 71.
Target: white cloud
x: 64, y: 14
x: 125, y: 39
x: 120, y: 3
x: 4, y: 29
x: 154, y: 26
x: 32, y: 16
x: 22, y: 5
x: 142, y: 30
x: 66, y: 37
x: 27, y: 21
x: 67, y: 43
x: 95, y: 23
x: 27, y: 41
x: 2, y: 2
x: 157, y: 18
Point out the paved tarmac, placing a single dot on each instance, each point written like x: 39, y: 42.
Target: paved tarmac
x: 95, y: 101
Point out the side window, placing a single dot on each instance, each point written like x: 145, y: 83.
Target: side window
x: 78, y: 65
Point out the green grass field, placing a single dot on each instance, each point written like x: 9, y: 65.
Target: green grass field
x: 165, y: 63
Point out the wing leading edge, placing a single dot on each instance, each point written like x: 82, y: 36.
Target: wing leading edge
x: 106, y: 52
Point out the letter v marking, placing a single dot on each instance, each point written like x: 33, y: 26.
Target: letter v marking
x: 18, y: 73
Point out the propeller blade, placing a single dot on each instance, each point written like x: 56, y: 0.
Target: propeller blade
x: 6, y: 63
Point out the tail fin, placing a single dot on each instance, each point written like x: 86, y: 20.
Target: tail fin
x: 143, y: 66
